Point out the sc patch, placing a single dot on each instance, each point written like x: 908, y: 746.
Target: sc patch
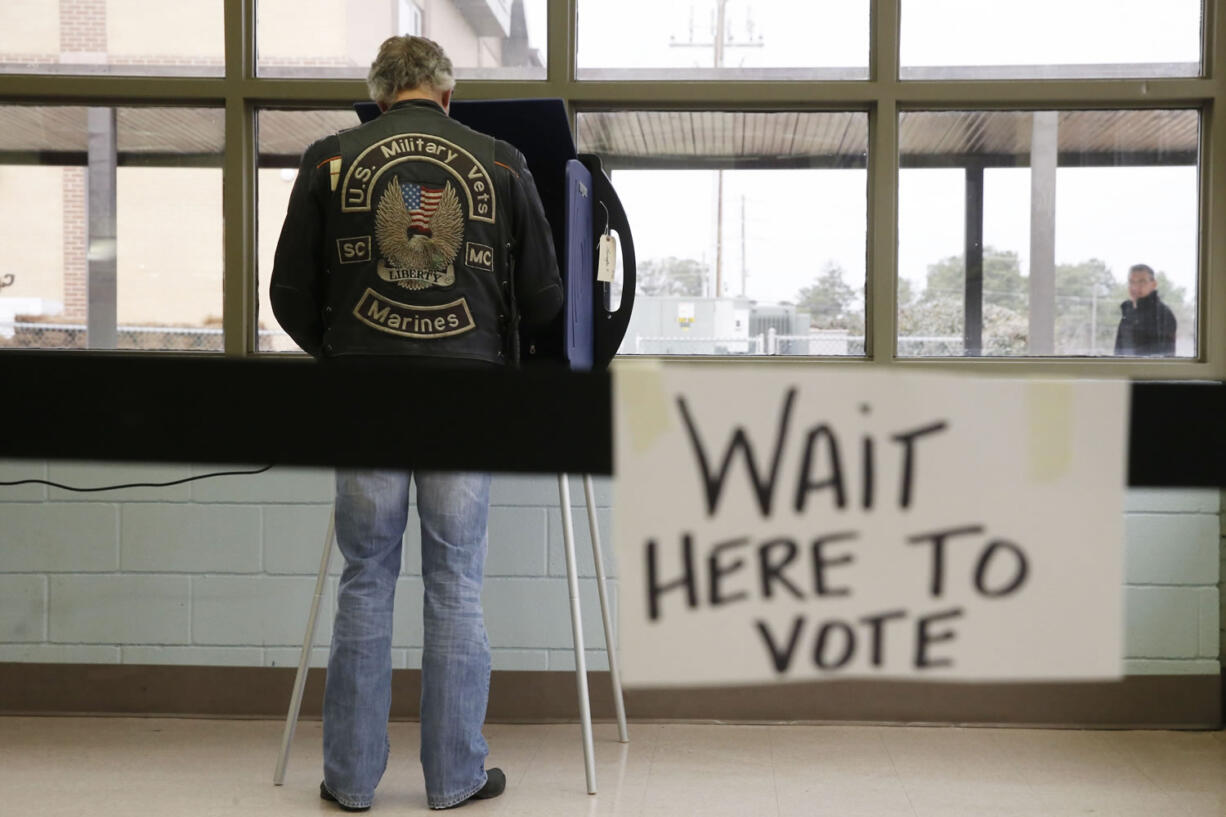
x: 479, y: 256
x: 354, y: 250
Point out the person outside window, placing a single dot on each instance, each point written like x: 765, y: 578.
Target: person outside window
x: 399, y: 240
x: 1147, y: 326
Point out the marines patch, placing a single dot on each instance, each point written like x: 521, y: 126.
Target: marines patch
x: 419, y: 229
x: 406, y: 320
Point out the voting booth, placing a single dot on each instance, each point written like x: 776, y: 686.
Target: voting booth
x: 581, y: 206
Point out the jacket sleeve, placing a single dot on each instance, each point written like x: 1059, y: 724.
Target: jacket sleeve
x: 538, y: 287
x: 1119, y: 332
x: 1166, y: 331
x: 298, y: 288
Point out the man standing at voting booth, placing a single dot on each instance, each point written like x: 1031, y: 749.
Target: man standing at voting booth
x: 412, y: 235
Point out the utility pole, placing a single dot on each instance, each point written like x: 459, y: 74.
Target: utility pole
x: 719, y: 233
x: 1093, y: 317
x: 744, y: 275
x: 720, y: 41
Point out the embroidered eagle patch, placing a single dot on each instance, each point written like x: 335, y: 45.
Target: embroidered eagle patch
x: 419, y: 230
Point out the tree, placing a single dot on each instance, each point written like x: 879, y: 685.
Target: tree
x: 1003, y: 282
x: 940, y: 309
x: 828, y: 300
x: 671, y: 276
x: 905, y: 293
x: 1087, y: 308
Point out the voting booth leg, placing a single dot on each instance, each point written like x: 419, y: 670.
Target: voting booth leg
x: 295, y: 704
x: 576, y: 625
x: 610, y: 645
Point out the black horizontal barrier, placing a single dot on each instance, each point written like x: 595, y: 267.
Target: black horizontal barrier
x: 1177, y: 434
x: 371, y: 412
x: 391, y: 413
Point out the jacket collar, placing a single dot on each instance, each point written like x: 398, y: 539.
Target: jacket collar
x: 407, y: 104
x: 1148, y: 302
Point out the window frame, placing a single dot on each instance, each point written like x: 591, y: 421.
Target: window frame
x: 883, y: 96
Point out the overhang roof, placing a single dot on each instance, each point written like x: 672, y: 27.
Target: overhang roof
x: 149, y: 135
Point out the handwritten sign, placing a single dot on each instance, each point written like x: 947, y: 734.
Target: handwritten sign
x: 776, y: 525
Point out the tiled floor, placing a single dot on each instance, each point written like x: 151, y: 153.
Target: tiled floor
x: 134, y: 767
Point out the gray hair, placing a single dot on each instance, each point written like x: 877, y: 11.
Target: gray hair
x: 408, y: 62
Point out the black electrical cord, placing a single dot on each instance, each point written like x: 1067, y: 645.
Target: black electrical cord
x: 136, y: 484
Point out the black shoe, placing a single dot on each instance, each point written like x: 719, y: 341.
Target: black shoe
x: 324, y: 794
x: 495, y: 784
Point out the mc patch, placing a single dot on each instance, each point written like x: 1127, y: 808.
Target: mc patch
x: 479, y: 256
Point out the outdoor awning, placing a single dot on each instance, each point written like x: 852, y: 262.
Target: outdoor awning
x: 676, y: 139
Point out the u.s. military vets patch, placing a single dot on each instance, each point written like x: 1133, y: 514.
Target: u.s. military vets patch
x: 471, y: 177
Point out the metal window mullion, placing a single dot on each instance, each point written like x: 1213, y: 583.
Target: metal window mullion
x: 662, y: 94
x: 1211, y: 334
x: 881, y: 281
x: 95, y: 91
x: 560, y: 27
x: 1094, y: 93
x: 561, y: 24
x: 239, y: 286
x: 672, y: 94
x: 853, y: 94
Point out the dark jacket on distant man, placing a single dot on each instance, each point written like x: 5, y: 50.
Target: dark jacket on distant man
x: 1147, y: 329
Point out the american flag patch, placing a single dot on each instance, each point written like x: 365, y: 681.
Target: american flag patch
x: 421, y: 202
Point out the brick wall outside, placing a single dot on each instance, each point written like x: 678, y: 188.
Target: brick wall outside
x: 76, y: 234
x: 82, y: 26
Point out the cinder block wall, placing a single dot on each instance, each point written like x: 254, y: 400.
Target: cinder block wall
x: 221, y: 571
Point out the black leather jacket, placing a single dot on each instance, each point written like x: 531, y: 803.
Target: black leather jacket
x: 1147, y: 329
x: 400, y: 238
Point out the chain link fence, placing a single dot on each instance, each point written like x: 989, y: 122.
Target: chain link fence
x: 40, y: 335
x: 815, y: 344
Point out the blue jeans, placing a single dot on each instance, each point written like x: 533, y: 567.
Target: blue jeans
x: 371, y: 513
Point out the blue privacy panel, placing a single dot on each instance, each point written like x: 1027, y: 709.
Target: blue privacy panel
x: 579, y: 277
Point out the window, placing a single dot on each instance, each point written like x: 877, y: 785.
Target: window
x: 1052, y: 39
x: 722, y: 39
x: 749, y: 228
x: 485, y: 39
x: 113, y: 228
x: 410, y: 18
x: 1018, y: 231
x: 112, y: 37
x: 919, y: 183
